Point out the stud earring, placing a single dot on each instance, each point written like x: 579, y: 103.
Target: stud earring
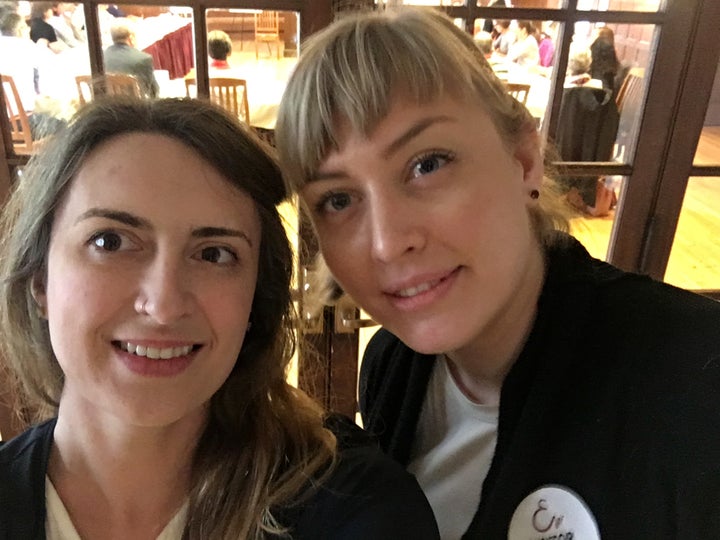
x: 534, y: 194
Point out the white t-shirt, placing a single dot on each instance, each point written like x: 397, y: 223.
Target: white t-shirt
x: 58, y: 525
x: 453, y: 448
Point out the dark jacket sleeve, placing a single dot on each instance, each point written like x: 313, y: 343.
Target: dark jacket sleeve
x: 146, y: 72
x: 393, y: 381
x: 23, y: 465
x: 367, y: 496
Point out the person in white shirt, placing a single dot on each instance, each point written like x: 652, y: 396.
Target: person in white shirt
x: 18, y: 57
x: 525, y: 51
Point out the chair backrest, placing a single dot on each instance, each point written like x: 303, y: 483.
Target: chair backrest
x: 631, y: 87
x: 19, y: 124
x: 84, y: 88
x: 122, y: 84
x: 267, y: 25
x: 519, y: 91
x: 629, y: 101
x: 267, y: 30
x: 228, y: 93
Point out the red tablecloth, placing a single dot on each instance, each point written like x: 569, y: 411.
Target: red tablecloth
x: 174, y: 52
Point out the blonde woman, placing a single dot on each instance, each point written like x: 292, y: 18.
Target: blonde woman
x: 534, y: 391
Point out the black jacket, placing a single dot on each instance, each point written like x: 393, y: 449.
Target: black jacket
x: 616, y: 396
x: 587, y: 129
x: 367, y: 495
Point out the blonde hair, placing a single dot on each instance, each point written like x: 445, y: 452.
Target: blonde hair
x: 264, y: 442
x: 353, y: 70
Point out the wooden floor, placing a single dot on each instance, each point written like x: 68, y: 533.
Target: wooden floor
x: 695, y: 258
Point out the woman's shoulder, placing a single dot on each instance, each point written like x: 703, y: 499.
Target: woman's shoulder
x: 27, y: 446
x: 366, y: 495
x: 23, y: 465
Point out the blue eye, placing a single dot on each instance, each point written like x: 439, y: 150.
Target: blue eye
x: 333, y: 202
x: 429, y: 163
x: 217, y: 255
x: 107, y: 241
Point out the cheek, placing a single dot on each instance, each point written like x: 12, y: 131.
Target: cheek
x: 227, y: 308
x: 76, y: 292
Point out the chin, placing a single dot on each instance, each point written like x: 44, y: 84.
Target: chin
x: 427, y: 342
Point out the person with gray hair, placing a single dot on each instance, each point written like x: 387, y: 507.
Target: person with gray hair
x: 19, y: 59
x: 123, y: 57
x: 534, y: 391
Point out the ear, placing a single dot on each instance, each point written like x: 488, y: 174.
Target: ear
x: 529, y: 154
x: 37, y: 289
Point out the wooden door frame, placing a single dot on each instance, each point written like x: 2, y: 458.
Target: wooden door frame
x: 700, y: 65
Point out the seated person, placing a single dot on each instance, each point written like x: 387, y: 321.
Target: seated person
x: 123, y: 57
x: 168, y: 413
x: 41, y: 31
x: 63, y: 23
x: 505, y: 37
x: 19, y: 58
x: 579, y: 69
x: 219, y: 48
x: 525, y: 50
x: 546, y: 48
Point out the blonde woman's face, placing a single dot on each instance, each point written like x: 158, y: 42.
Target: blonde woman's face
x: 151, y: 275
x: 425, y: 222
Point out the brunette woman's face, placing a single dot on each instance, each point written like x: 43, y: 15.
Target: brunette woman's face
x: 425, y: 222
x: 151, y: 274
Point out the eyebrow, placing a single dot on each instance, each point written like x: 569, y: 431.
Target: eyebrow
x: 211, y: 232
x: 395, y: 145
x: 413, y: 132
x: 132, y: 220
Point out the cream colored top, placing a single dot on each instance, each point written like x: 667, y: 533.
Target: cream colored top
x: 58, y: 525
x: 452, y: 451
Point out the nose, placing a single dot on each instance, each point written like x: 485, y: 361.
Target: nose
x: 396, y: 227
x: 165, y: 292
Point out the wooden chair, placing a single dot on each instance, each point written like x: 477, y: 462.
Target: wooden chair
x: 267, y: 30
x: 629, y: 100
x: 84, y: 88
x: 519, y: 91
x: 19, y: 123
x: 114, y: 84
x: 229, y: 93
x: 631, y: 86
x: 122, y: 84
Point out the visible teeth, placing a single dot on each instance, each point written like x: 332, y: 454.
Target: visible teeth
x: 412, y: 291
x: 156, y: 352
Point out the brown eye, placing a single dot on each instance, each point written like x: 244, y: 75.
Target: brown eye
x: 107, y: 241
x: 217, y: 255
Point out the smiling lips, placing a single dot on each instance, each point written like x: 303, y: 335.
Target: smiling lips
x: 414, y: 291
x: 410, y: 292
x: 164, y: 353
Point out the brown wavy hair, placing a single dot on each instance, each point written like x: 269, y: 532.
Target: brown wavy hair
x: 264, y: 439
